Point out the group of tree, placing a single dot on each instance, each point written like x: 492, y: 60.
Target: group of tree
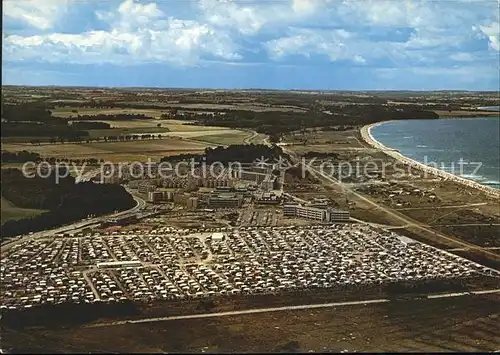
x: 36, y: 120
x: 20, y: 157
x: 28, y: 112
x: 242, y: 153
x: 337, y: 128
x: 109, y: 138
x: 321, y: 155
x: 26, y: 156
x: 274, y: 123
x: 112, y: 117
x: 68, y: 314
x: 45, y: 130
x: 66, y: 201
x: 131, y: 137
x: 86, y: 125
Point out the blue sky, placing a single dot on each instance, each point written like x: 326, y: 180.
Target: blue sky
x: 278, y: 44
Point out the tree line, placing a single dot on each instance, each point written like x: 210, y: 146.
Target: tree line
x: 110, y: 138
x: 243, y: 153
x: 66, y: 201
x: 275, y: 123
x: 26, y: 156
x: 36, y: 120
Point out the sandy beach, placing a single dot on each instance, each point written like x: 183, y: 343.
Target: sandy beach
x: 368, y: 138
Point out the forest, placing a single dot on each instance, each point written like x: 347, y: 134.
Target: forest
x: 242, y: 153
x: 66, y: 201
x: 276, y: 123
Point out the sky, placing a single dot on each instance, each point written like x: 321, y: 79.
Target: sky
x: 275, y: 44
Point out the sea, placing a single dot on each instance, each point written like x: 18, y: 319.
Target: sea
x: 467, y: 147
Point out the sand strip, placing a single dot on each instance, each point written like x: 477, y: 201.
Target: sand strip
x: 368, y: 138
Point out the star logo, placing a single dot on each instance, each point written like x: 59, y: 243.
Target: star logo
x: 261, y: 162
x: 281, y: 164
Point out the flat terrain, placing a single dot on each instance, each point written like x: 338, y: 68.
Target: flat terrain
x: 11, y: 212
x: 224, y: 138
x: 454, y: 324
x: 177, y: 137
x: 113, y: 151
x: 182, y: 129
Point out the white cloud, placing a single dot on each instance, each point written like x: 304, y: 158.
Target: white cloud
x: 359, y: 59
x: 41, y: 14
x: 228, y: 14
x: 436, y: 31
x: 250, y: 17
x: 307, y: 7
x: 131, y: 15
x: 492, y: 31
x: 409, y: 32
x: 463, y: 57
x: 335, y: 44
x: 148, y: 37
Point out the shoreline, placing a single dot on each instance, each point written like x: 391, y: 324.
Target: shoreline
x: 372, y: 142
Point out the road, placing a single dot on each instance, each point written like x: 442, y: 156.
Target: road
x: 468, y: 225
x: 248, y: 139
x: 441, y: 207
x: 402, y: 219
x: 280, y: 309
x: 140, y: 204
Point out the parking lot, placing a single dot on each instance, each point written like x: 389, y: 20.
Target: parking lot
x: 259, y: 217
x: 173, y: 264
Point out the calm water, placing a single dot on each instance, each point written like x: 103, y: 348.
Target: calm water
x: 446, y: 142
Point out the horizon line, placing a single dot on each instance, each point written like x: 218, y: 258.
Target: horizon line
x: 248, y: 89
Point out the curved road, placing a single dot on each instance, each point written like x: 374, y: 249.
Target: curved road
x: 140, y: 204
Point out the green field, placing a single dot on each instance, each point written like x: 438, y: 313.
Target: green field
x: 137, y: 150
x: 235, y: 137
x: 11, y: 212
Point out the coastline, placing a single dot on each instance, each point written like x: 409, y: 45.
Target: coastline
x: 465, y: 114
x: 368, y: 138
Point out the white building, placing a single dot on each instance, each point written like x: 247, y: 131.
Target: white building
x: 320, y: 214
x: 218, y: 236
x: 338, y: 215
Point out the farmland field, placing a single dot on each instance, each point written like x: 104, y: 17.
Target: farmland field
x: 11, y: 212
x: 177, y: 128
x: 235, y: 137
x: 113, y: 151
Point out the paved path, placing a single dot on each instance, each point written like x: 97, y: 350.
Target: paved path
x: 249, y: 138
x: 440, y: 207
x: 468, y: 224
